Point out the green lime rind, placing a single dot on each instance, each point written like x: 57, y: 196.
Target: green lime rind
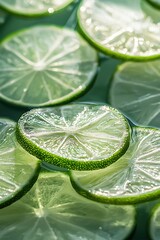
x: 76, y: 136
x: 154, y: 222
x: 155, y: 3
x: 33, y: 8
x: 2, y: 17
x: 19, y: 170
x: 53, y: 210
x: 134, y: 178
x: 134, y: 90
x: 50, y: 65
x: 120, y: 28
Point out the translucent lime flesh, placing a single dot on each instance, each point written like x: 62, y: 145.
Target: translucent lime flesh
x: 19, y: 170
x: 53, y: 210
x: 75, y: 136
x: 33, y: 8
x: 45, y: 65
x: 154, y: 223
x: 135, y: 90
x: 134, y: 178
x: 122, y: 28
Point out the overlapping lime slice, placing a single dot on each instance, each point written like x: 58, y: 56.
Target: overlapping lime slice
x: 75, y: 136
x: 53, y: 210
x: 45, y: 65
x: 134, y: 178
x: 18, y: 169
x: 154, y: 223
x: 32, y: 8
x: 123, y: 28
x: 135, y: 90
x: 155, y: 3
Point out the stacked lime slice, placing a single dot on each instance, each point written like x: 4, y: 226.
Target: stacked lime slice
x: 134, y: 178
x: 45, y: 65
x: 123, y: 28
x: 19, y: 169
x: 76, y: 136
x: 135, y: 90
x: 53, y: 210
x: 154, y: 223
x: 155, y: 3
x: 33, y: 8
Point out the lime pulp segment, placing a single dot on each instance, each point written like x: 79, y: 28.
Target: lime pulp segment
x: 45, y: 65
x: 75, y: 136
x: 18, y: 169
x: 135, y: 90
x: 53, y: 210
x: 154, y: 223
x: 33, y: 8
x: 123, y: 28
x: 134, y: 178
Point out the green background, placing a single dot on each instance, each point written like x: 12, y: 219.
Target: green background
x: 98, y: 93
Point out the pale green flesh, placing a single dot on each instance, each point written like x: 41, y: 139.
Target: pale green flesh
x: 17, y: 167
x: 78, y: 132
x: 124, y: 28
x: 154, y: 224
x: 135, y: 177
x: 45, y: 65
x: 53, y: 210
x: 34, y: 7
x: 135, y: 90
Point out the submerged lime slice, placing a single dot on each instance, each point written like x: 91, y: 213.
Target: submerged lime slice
x: 123, y: 28
x: 76, y: 136
x: 154, y: 223
x: 31, y: 8
x: 135, y: 90
x: 155, y: 3
x: 134, y: 178
x: 18, y: 169
x: 45, y: 65
x: 53, y: 210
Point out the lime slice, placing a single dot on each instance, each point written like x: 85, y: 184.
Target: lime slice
x: 76, y: 136
x: 121, y: 28
x: 19, y: 170
x: 53, y: 210
x: 135, y: 90
x: 155, y: 3
x: 45, y: 65
x: 154, y: 223
x: 134, y: 178
x: 32, y: 8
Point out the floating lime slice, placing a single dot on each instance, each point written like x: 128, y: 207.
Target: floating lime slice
x: 135, y: 90
x: 31, y: 8
x: 134, y: 178
x: 121, y: 28
x: 45, y: 65
x: 18, y: 169
x: 53, y: 210
x: 154, y: 223
x: 155, y: 3
x: 76, y: 136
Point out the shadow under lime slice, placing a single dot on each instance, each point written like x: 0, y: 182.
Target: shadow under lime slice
x: 45, y: 65
x: 18, y: 169
x: 134, y: 178
x: 33, y: 8
x: 121, y: 28
x: 75, y: 136
x: 135, y: 90
x: 154, y: 223
x: 53, y: 210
